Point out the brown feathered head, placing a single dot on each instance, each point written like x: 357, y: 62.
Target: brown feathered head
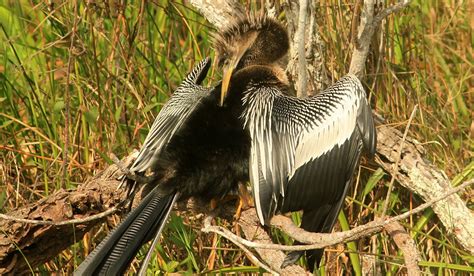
x: 254, y: 40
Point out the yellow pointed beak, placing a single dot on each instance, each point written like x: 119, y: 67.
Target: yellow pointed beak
x: 225, y: 82
x: 233, y: 62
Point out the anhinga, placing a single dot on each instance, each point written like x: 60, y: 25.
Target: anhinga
x: 303, y: 151
x: 195, y: 148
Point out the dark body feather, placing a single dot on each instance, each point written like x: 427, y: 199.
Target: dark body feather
x: 195, y: 149
x: 208, y: 156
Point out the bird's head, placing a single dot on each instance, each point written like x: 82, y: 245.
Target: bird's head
x: 250, y: 41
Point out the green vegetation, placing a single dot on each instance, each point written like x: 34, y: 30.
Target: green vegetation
x: 79, y: 81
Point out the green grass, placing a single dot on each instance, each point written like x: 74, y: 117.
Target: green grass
x: 100, y: 95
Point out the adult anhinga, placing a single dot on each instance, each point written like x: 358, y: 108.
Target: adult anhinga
x: 303, y: 151
x: 195, y: 148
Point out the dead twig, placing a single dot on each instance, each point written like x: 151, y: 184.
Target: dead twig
x: 60, y: 223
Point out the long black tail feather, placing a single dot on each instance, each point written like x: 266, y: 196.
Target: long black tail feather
x: 113, y: 255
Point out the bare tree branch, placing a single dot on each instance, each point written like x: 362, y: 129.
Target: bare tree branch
x: 362, y: 43
x: 60, y: 223
x: 300, y: 40
x: 321, y: 240
x: 313, y: 59
x: 368, y: 25
x: 250, y: 255
x: 407, y: 246
x: 419, y: 176
x: 253, y: 230
x: 218, y: 12
x: 388, y: 11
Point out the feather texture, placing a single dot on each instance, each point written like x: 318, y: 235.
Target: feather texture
x: 295, y: 142
x: 173, y: 116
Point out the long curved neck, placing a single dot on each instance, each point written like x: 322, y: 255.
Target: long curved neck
x: 254, y: 77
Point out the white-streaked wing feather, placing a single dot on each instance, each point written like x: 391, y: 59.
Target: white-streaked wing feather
x: 334, y: 128
x: 287, y: 133
x: 172, y: 116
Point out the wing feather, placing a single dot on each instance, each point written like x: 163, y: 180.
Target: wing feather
x: 173, y: 116
x: 296, y: 142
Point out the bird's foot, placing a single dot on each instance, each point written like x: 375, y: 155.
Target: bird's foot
x: 291, y: 258
x: 245, y: 200
x: 214, y: 204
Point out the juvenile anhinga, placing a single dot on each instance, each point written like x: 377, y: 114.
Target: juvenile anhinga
x: 303, y: 151
x: 195, y: 148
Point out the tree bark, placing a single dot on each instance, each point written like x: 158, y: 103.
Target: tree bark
x: 422, y: 178
x: 25, y: 245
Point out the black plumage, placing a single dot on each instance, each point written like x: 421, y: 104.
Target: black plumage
x: 195, y: 148
x: 303, y: 151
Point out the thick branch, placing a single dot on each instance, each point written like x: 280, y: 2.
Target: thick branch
x: 368, y: 24
x: 305, y: 34
x: 220, y: 13
x: 300, y: 41
x: 26, y: 243
x: 362, y: 42
x: 397, y: 162
x: 421, y: 177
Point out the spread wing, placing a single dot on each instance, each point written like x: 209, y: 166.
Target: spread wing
x: 304, y: 151
x: 187, y: 97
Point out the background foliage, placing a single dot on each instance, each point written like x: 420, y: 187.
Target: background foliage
x: 82, y: 79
